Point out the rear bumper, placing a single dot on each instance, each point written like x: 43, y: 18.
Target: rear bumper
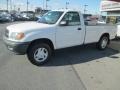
x: 16, y: 47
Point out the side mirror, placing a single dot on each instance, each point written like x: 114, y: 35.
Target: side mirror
x: 63, y: 23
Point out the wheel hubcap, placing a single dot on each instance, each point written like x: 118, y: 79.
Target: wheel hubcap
x: 41, y: 54
x: 104, y: 42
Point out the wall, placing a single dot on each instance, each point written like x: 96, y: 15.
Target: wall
x: 109, y: 5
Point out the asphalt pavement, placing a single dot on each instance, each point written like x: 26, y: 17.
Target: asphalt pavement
x: 76, y: 68
x: 17, y: 73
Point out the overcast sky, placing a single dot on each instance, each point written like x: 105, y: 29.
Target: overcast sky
x: 93, y: 5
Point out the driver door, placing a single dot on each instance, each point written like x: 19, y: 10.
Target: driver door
x: 70, y: 34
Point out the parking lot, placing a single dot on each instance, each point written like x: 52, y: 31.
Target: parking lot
x: 76, y: 68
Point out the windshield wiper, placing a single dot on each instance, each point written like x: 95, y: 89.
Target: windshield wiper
x: 43, y: 22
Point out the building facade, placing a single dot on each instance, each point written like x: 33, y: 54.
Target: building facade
x: 112, y: 7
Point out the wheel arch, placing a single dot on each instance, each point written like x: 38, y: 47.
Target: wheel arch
x: 42, y: 40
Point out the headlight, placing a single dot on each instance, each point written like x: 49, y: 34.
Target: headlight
x: 17, y: 36
x: 7, y: 17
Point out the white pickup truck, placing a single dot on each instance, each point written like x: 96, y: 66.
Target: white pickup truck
x: 55, y: 30
x: 118, y: 31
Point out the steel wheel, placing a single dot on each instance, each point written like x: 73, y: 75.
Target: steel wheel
x: 102, y: 44
x: 41, y: 54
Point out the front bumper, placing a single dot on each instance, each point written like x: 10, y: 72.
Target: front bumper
x: 16, y: 47
x: 4, y: 19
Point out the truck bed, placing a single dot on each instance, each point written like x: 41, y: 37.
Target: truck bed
x: 93, y: 33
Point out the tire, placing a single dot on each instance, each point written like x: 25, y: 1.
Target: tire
x: 103, y: 43
x: 39, y: 54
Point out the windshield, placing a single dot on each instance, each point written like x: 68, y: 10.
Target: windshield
x: 50, y: 17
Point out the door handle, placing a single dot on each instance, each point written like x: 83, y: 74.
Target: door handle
x: 79, y: 29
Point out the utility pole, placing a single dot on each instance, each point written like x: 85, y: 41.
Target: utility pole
x: 46, y: 4
x: 7, y: 5
x: 85, y: 8
x: 67, y: 3
x: 14, y: 7
x: 43, y: 4
x: 27, y: 6
x: 11, y: 5
x: 0, y: 5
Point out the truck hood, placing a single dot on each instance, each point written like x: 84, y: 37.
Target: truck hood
x: 28, y: 26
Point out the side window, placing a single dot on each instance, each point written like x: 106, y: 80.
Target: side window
x: 72, y: 18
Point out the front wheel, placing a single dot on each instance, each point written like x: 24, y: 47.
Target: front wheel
x: 39, y: 54
x: 103, y: 43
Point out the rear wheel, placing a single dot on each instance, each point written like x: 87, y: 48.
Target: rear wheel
x: 39, y: 54
x: 103, y: 43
